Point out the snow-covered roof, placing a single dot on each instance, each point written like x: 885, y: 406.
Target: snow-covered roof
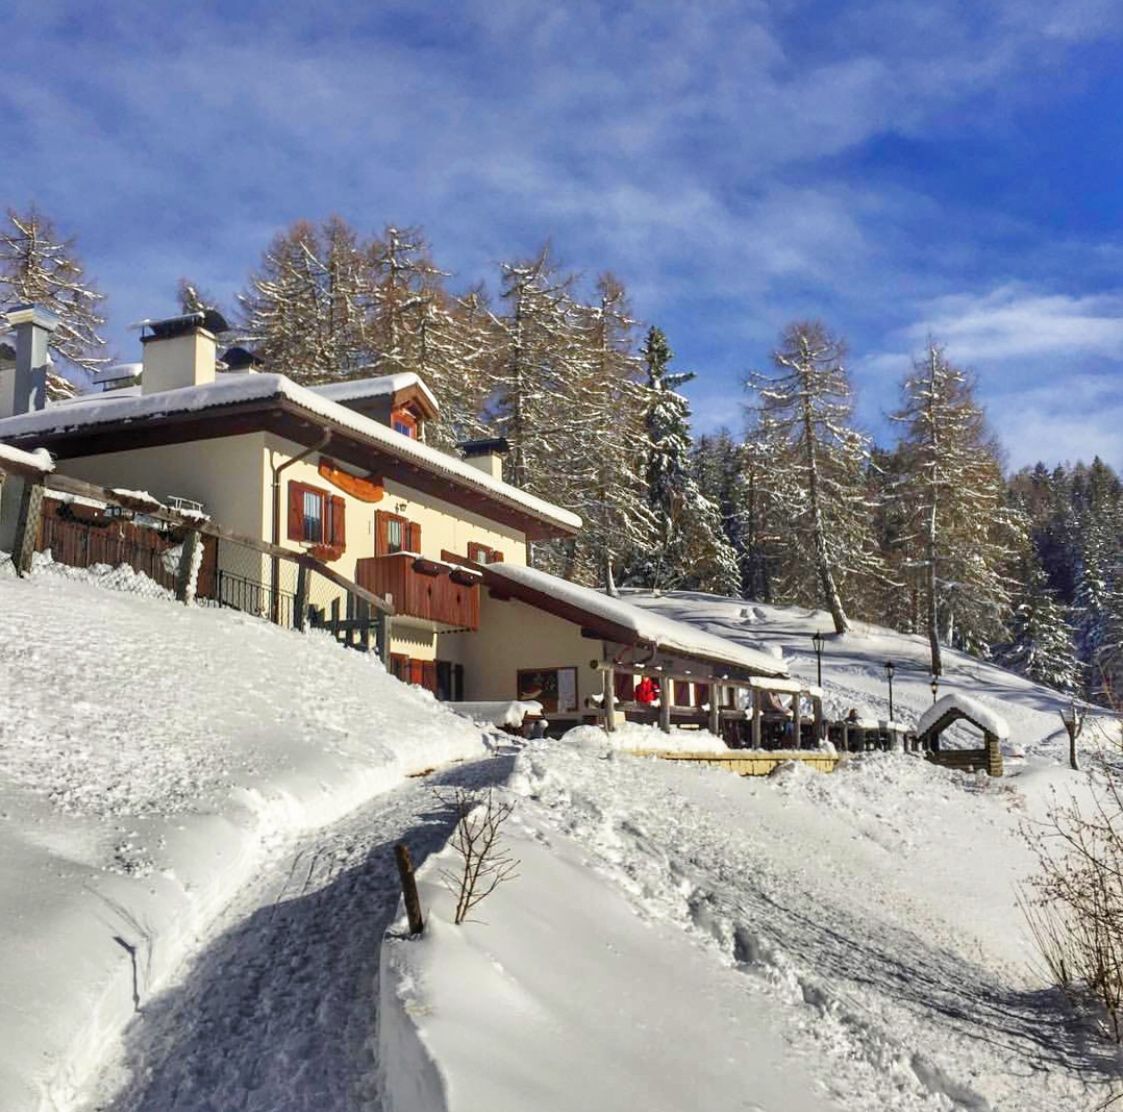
x: 986, y: 719
x: 647, y: 627
x: 231, y: 389
x: 356, y: 389
x: 119, y: 372
x: 39, y: 460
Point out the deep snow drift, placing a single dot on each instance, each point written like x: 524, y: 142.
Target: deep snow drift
x: 849, y: 941
x: 150, y: 756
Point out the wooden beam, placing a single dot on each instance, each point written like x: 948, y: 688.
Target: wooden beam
x: 27, y: 526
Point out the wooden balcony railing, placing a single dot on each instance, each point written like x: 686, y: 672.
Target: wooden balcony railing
x: 423, y: 588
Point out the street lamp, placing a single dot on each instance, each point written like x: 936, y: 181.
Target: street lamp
x: 889, y: 668
x: 817, y: 640
x: 934, y: 684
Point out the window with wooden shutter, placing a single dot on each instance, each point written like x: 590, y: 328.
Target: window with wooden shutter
x: 392, y: 533
x: 417, y: 672
x: 309, y: 509
x: 429, y: 676
x: 296, y: 512
x: 337, y: 523
x: 483, y: 554
x: 414, y: 537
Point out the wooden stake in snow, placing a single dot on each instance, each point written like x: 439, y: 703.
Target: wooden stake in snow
x: 409, y: 888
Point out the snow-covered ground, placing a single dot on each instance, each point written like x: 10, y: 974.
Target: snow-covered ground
x: 683, y: 938
x: 197, y: 813
x: 152, y: 759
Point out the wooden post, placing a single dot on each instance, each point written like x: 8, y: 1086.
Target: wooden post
x: 715, y: 708
x: 666, y: 695
x: 187, y: 571
x: 382, y: 635
x: 335, y: 617
x: 349, y: 639
x: 27, y: 525
x: 409, y: 888
x: 994, y: 755
x: 820, y: 734
x: 300, y: 603
x: 797, y: 722
x: 756, y: 718
x: 362, y: 608
x: 608, y: 698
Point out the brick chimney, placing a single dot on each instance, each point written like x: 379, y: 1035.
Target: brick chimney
x: 180, y: 352
x: 23, y: 387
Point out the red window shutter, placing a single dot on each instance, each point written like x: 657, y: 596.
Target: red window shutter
x: 624, y: 684
x: 681, y: 693
x: 429, y: 676
x: 337, y: 537
x: 381, y: 540
x: 496, y: 556
x: 701, y: 694
x: 296, y: 511
x: 417, y: 672
x: 474, y: 551
x: 399, y: 666
x: 414, y: 537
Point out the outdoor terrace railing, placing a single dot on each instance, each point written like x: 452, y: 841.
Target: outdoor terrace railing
x: 422, y: 588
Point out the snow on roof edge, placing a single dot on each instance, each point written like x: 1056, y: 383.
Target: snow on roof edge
x: 666, y: 633
x: 37, y: 460
x: 232, y: 389
x: 379, y: 386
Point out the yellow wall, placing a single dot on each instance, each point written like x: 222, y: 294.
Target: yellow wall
x: 513, y: 636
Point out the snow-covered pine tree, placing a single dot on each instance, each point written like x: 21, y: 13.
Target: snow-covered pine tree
x: 38, y: 266
x: 601, y: 419
x: 726, y: 479
x: 539, y: 356
x: 802, y: 416
x: 689, y: 548
x: 458, y: 344
x: 962, y: 531
x: 407, y: 288
x: 1041, y: 643
x: 308, y: 307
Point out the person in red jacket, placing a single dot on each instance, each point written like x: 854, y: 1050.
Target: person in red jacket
x: 647, y: 691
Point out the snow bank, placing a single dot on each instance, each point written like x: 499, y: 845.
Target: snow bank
x: 684, y: 938
x: 636, y: 737
x: 510, y: 713
x: 559, y: 997
x: 646, y: 626
x: 983, y: 717
x: 150, y: 754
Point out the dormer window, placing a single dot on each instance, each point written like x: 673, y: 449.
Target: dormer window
x: 405, y: 421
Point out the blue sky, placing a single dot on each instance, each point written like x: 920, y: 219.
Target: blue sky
x: 894, y: 167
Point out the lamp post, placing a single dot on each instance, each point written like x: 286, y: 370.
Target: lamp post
x: 889, y: 668
x: 817, y: 640
x: 934, y: 684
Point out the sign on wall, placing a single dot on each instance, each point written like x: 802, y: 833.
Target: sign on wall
x: 554, y: 688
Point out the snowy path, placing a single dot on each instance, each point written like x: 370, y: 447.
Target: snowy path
x: 278, y: 1010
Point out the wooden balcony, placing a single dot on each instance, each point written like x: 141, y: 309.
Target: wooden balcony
x: 422, y: 588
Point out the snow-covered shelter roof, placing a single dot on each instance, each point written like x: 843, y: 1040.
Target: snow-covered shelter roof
x: 963, y: 706
x: 624, y: 620
x: 119, y: 372
x: 258, y: 391
x: 357, y: 389
x: 24, y: 463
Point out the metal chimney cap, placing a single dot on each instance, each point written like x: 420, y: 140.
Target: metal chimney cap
x: 495, y: 446
x: 210, y: 320
x: 32, y: 314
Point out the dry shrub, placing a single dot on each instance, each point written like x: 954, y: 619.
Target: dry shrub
x: 1074, y: 905
x: 485, y: 862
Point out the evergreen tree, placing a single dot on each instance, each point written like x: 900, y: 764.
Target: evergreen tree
x: 689, y: 548
x: 1041, y: 645
x: 308, y: 308
x: 39, y: 267
x: 803, y: 427
x: 962, y: 532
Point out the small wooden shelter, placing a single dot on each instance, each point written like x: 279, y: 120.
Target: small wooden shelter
x: 955, y: 708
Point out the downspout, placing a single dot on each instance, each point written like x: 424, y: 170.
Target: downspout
x: 276, y: 538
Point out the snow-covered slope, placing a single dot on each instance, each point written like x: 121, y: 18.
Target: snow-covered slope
x: 805, y: 941
x: 149, y: 756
